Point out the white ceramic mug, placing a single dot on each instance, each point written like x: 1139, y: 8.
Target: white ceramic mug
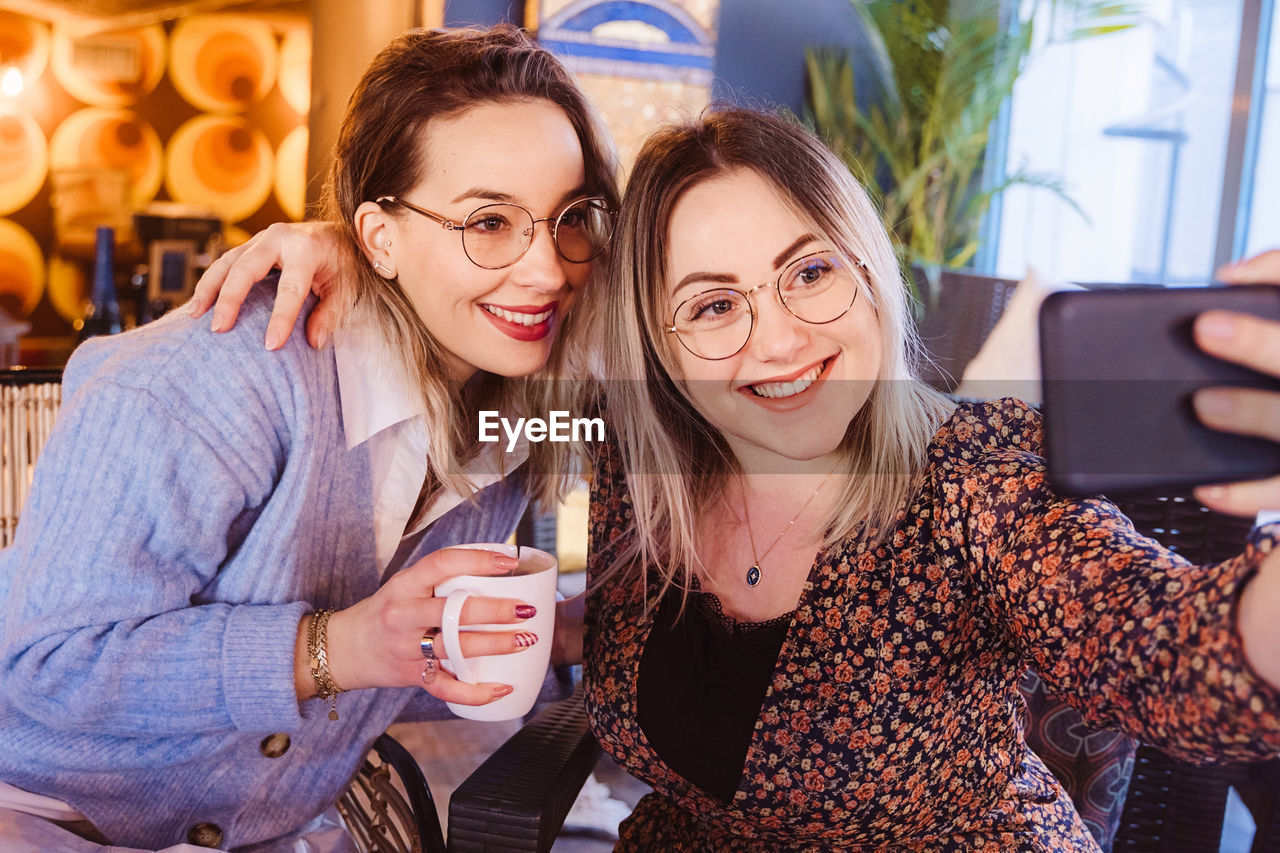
x: 533, y: 582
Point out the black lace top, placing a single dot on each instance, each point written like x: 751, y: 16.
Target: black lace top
x: 702, y: 679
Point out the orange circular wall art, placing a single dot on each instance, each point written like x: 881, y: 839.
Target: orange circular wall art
x: 96, y: 138
x: 21, y: 269
x: 68, y: 288
x: 223, y: 63
x: 24, y: 161
x: 24, y: 44
x: 222, y: 163
x: 113, y: 69
x: 291, y: 173
x: 295, y: 69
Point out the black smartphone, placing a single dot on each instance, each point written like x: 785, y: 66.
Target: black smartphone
x: 1119, y: 368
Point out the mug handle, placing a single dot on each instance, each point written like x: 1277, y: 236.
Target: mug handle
x: 449, y: 628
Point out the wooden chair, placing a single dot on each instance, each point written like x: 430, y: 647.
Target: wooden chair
x: 29, y: 401
x: 389, y: 807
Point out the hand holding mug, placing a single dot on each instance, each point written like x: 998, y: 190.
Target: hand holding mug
x: 377, y: 642
x: 533, y: 580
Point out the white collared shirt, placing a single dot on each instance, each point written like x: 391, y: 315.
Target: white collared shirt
x: 379, y: 406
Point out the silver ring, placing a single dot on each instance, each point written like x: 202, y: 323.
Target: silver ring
x: 427, y: 645
x: 429, y: 671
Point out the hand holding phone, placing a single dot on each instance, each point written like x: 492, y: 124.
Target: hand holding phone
x: 1121, y: 369
x: 1253, y: 342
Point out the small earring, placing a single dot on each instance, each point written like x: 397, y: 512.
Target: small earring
x: 386, y: 245
x: 377, y: 265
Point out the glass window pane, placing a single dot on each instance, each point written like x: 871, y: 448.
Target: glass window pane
x: 1135, y: 125
x: 1264, y: 212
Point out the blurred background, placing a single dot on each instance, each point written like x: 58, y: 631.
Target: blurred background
x: 1095, y: 141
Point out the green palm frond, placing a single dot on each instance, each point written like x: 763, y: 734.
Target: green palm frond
x: 939, y: 72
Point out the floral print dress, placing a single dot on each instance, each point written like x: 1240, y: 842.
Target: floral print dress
x: 890, y: 723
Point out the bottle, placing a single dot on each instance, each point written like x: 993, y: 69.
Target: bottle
x: 103, y: 314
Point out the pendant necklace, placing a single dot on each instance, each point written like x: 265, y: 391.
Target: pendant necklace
x: 753, y: 573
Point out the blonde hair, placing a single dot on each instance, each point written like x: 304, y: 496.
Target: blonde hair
x: 678, y: 466
x: 420, y: 76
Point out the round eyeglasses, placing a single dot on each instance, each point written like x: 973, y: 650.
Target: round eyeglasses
x: 497, y: 235
x: 716, y: 324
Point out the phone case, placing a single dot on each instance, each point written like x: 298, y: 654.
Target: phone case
x: 1119, y: 369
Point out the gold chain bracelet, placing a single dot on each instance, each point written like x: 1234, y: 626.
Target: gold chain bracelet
x: 317, y: 637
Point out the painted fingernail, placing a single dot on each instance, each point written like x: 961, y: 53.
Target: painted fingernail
x: 193, y: 307
x: 1216, y: 326
x: 273, y: 339
x: 502, y: 690
x: 526, y: 611
x: 525, y: 639
x: 218, y: 323
x: 506, y: 563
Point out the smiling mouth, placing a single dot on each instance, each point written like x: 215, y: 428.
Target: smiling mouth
x: 518, y: 317
x: 783, y: 390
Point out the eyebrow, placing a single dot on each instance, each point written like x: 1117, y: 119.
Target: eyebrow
x: 483, y: 194
x: 729, y: 278
x: 785, y: 254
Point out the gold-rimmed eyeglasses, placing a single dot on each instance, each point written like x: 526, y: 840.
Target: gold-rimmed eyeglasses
x: 717, y: 324
x: 497, y: 235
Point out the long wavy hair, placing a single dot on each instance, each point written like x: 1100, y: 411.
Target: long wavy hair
x: 676, y: 463
x: 421, y: 76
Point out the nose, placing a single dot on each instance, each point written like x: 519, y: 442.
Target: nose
x: 541, y: 268
x: 779, y: 335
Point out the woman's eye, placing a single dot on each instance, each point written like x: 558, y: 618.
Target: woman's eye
x: 713, y: 309
x: 573, y: 219
x: 489, y: 223
x: 814, y: 273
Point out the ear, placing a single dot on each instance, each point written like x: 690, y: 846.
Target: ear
x: 377, y: 230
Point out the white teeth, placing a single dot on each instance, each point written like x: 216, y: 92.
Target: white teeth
x: 778, y: 390
x: 522, y: 319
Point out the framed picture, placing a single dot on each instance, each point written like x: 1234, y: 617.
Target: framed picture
x: 171, y: 275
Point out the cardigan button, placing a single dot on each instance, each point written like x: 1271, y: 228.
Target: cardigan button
x: 274, y: 746
x: 205, y: 835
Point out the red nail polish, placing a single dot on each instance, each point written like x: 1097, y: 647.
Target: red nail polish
x: 525, y: 639
x: 526, y: 611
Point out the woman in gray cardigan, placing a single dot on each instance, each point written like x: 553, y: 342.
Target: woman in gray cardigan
x: 208, y: 518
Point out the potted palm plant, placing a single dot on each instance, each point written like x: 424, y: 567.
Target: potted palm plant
x: 940, y: 72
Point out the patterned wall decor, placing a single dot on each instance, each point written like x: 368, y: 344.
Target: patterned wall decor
x: 115, y: 139
x: 22, y: 271
x: 642, y: 61
x: 209, y: 111
x: 114, y: 69
x: 223, y: 63
x: 24, y: 160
